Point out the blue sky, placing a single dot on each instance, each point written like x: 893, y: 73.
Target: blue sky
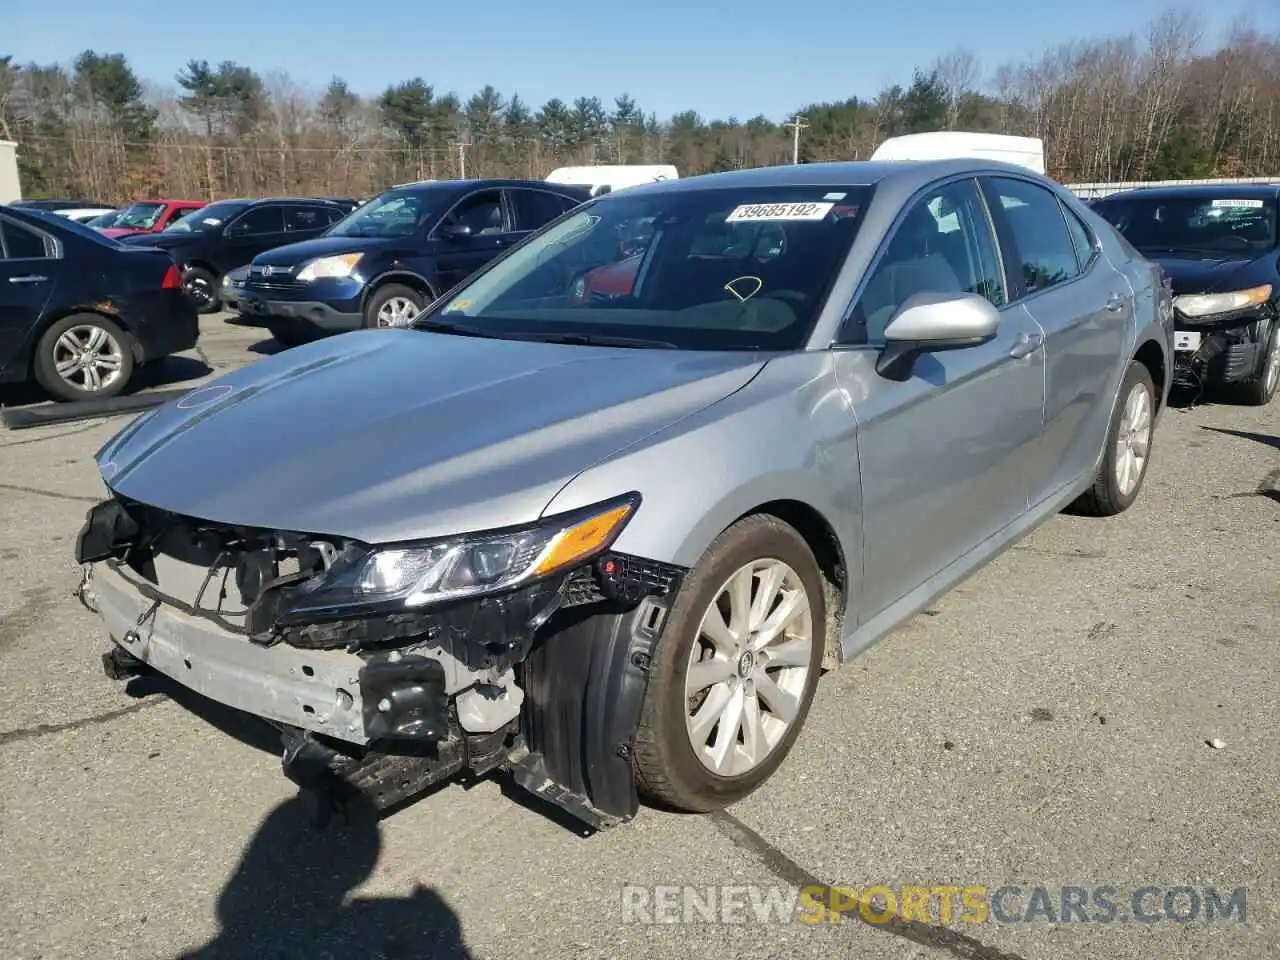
x: 751, y: 56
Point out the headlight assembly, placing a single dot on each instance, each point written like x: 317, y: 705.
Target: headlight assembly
x: 409, y: 576
x: 339, y: 266
x: 1200, y: 305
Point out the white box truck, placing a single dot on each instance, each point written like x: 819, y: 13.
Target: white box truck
x: 947, y: 144
x: 10, y: 188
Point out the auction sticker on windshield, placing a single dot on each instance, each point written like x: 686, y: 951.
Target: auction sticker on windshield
x: 1250, y: 204
x: 779, y: 211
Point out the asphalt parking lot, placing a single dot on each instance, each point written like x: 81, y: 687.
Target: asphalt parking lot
x: 1045, y: 725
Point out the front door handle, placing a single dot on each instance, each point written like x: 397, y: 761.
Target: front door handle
x: 1115, y: 303
x: 28, y: 278
x: 1025, y: 345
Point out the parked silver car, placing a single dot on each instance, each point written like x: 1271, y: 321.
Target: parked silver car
x: 606, y: 513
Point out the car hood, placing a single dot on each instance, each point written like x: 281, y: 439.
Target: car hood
x: 292, y: 254
x: 1203, y: 274
x: 162, y: 239
x: 386, y: 435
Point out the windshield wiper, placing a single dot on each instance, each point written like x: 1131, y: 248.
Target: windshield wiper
x: 445, y: 326
x: 595, y: 340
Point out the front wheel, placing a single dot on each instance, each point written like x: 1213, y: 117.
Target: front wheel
x: 84, y: 357
x: 201, y: 288
x: 1259, y: 389
x: 1124, y: 463
x: 393, y: 306
x: 734, y: 674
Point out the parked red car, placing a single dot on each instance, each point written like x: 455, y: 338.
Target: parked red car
x: 151, y: 216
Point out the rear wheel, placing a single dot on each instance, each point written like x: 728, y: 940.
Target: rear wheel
x: 393, y: 306
x: 201, y: 288
x: 1124, y: 465
x: 84, y: 357
x: 735, y: 671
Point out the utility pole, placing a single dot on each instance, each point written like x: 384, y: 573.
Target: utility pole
x: 463, y: 142
x: 797, y: 124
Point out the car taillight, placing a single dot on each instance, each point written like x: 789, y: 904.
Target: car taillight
x: 172, y: 279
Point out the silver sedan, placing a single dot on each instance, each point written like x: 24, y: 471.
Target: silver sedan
x: 607, y: 511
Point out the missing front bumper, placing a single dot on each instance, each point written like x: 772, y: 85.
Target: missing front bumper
x: 385, y: 726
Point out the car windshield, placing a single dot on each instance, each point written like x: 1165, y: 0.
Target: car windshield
x: 212, y: 217
x: 705, y: 269
x: 106, y: 219
x: 141, y: 215
x: 1206, y: 224
x: 396, y: 213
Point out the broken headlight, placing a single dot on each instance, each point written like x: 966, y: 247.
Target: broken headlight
x: 415, y: 575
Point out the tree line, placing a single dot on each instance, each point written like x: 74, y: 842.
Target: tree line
x: 1165, y: 104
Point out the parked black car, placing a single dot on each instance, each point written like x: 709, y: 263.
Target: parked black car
x: 1220, y: 247
x: 79, y: 312
x: 229, y: 233
x: 395, y: 254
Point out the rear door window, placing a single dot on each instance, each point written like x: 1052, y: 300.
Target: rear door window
x: 1045, y: 254
x: 21, y: 243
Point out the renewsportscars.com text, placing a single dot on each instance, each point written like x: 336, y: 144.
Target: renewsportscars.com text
x: 932, y: 904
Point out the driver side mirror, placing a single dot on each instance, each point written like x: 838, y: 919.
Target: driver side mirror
x: 927, y: 322
x: 455, y: 231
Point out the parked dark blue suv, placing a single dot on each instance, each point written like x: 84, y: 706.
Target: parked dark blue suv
x: 389, y: 258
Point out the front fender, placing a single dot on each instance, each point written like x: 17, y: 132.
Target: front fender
x: 788, y: 435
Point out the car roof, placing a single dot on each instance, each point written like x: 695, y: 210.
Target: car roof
x: 905, y: 175
x: 1190, y: 191
x: 458, y: 186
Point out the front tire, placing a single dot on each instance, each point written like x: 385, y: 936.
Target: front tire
x: 84, y: 357
x: 1124, y: 465
x: 393, y: 305
x: 1260, y: 389
x: 734, y: 673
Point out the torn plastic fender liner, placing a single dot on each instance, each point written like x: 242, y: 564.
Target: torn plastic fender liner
x: 584, y: 686
x: 107, y: 533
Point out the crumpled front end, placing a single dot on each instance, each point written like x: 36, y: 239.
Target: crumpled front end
x: 543, y: 677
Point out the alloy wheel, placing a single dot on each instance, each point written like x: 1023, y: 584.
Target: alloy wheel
x: 748, y: 667
x: 397, y: 312
x: 1133, y: 439
x: 88, y: 358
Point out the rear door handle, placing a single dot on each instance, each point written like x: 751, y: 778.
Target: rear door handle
x: 1025, y: 345
x: 29, y: 278
x: 1115, y: 302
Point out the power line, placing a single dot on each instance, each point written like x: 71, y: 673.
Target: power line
x: 797, y: 124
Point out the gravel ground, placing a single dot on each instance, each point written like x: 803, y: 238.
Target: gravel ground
x: 1046, y: 725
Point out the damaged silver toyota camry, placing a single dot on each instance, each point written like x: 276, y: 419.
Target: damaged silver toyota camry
x: 601, y: 516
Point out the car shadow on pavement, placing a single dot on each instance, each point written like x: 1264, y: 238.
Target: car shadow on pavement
x: 290, y: 897
x: 169, y: 372
x: 1262, y: 438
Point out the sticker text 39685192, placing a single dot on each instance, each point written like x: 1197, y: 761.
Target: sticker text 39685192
x: 779, y: 211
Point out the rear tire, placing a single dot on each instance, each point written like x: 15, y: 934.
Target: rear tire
x: 1260, y: 389
x: 84, y: 357
x: 201, y: 287
x: 710, y: 670
x: 1124, y: 465
x: 391, y: 303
